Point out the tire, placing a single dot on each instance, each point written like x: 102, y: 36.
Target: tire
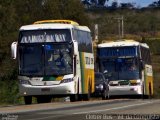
x: 150, y: 92
x: 86, y: 97
x: 28, y: 100
x: 73, y: 98
x: 76, y: 97
x: 143, y: 95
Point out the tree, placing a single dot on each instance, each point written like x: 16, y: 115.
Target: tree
x: 101, y: 2
x: 114, y: 5
x: 94, y: 3
x: 155, y: 4
x: 127, y: 5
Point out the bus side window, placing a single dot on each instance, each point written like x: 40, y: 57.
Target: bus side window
x: 141, y: 65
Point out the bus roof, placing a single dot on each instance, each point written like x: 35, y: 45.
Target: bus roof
x: 56, y: 21
x: 54, y: 24
x: 122, y: 43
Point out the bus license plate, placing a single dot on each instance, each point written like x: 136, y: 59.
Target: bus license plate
x: 45, y: 89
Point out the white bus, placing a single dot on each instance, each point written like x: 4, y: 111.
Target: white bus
x: 55, y: 58
x: 127, y: 65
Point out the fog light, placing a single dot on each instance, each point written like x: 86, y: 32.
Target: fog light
x: 136, y: 89
x: 68, y: 91
x: 26, y: 82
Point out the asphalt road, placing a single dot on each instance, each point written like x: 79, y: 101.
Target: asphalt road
x: 121, y: 109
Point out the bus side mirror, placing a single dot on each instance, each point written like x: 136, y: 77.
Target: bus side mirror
x: 75, y: 48
x: 14, y: 50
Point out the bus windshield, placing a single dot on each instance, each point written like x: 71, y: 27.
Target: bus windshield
x: 121, y: 68
x: 45, y: 59
x: 39, y: 36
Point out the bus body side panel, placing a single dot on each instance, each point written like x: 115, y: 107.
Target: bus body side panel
x: 87, y: 72
x: 89, y: 69
x: 78, y: 74
x: 148, y: 80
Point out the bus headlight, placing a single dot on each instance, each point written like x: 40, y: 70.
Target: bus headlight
x: 135, y: 82
x: 100, y: 86
x: 67, y: 80
x: 26, y: 82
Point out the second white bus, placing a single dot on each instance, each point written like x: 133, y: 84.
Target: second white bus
x: 127, y: 65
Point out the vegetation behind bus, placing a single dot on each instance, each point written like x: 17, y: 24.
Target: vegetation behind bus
x: 138, y: 24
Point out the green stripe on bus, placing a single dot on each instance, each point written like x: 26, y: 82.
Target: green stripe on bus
x: 145, y: 82
x: 82, y: 71
x: 49, y: 78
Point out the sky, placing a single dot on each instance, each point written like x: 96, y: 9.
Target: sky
x: 141, y: 3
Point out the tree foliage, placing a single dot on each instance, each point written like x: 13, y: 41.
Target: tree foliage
x: 155, y: 4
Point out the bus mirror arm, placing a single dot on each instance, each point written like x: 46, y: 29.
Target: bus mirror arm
x: 14, y: 50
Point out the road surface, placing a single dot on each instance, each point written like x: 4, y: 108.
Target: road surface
x: 119, y: 109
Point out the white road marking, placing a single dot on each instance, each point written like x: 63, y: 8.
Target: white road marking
x: 115, y: 108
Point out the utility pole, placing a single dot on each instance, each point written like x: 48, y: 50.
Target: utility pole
x: 96, y: 32
x: 120, y: 27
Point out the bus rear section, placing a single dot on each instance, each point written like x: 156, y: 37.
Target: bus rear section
x: 123, y: 65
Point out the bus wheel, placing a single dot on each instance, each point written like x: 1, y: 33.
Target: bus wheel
x: 28, y: 100
x: 150, y: 91
x: 73, y: 98
x: 80, y: 97
x: 86, y: 97
x: 143, y: 95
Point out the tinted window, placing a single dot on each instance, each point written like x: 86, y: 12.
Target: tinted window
x: 84, y: 40
x: 117, y: 51
x: 120, y: 68
x: 45, y: 59
x: 145, y: 54
x: 39, y: 36
x: 31, y: 60
x: 99, y: 78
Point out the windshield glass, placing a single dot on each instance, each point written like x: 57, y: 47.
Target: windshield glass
x: 120, y: 68
x: 58, y: 59
x: 45, y: 59
x: 98, y: 78
x: 129, y: 51
x: 39, y: 36
x: 31, y: 60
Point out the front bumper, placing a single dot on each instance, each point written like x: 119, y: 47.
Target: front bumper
x: 60, y: 89
x: 125, y: 90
